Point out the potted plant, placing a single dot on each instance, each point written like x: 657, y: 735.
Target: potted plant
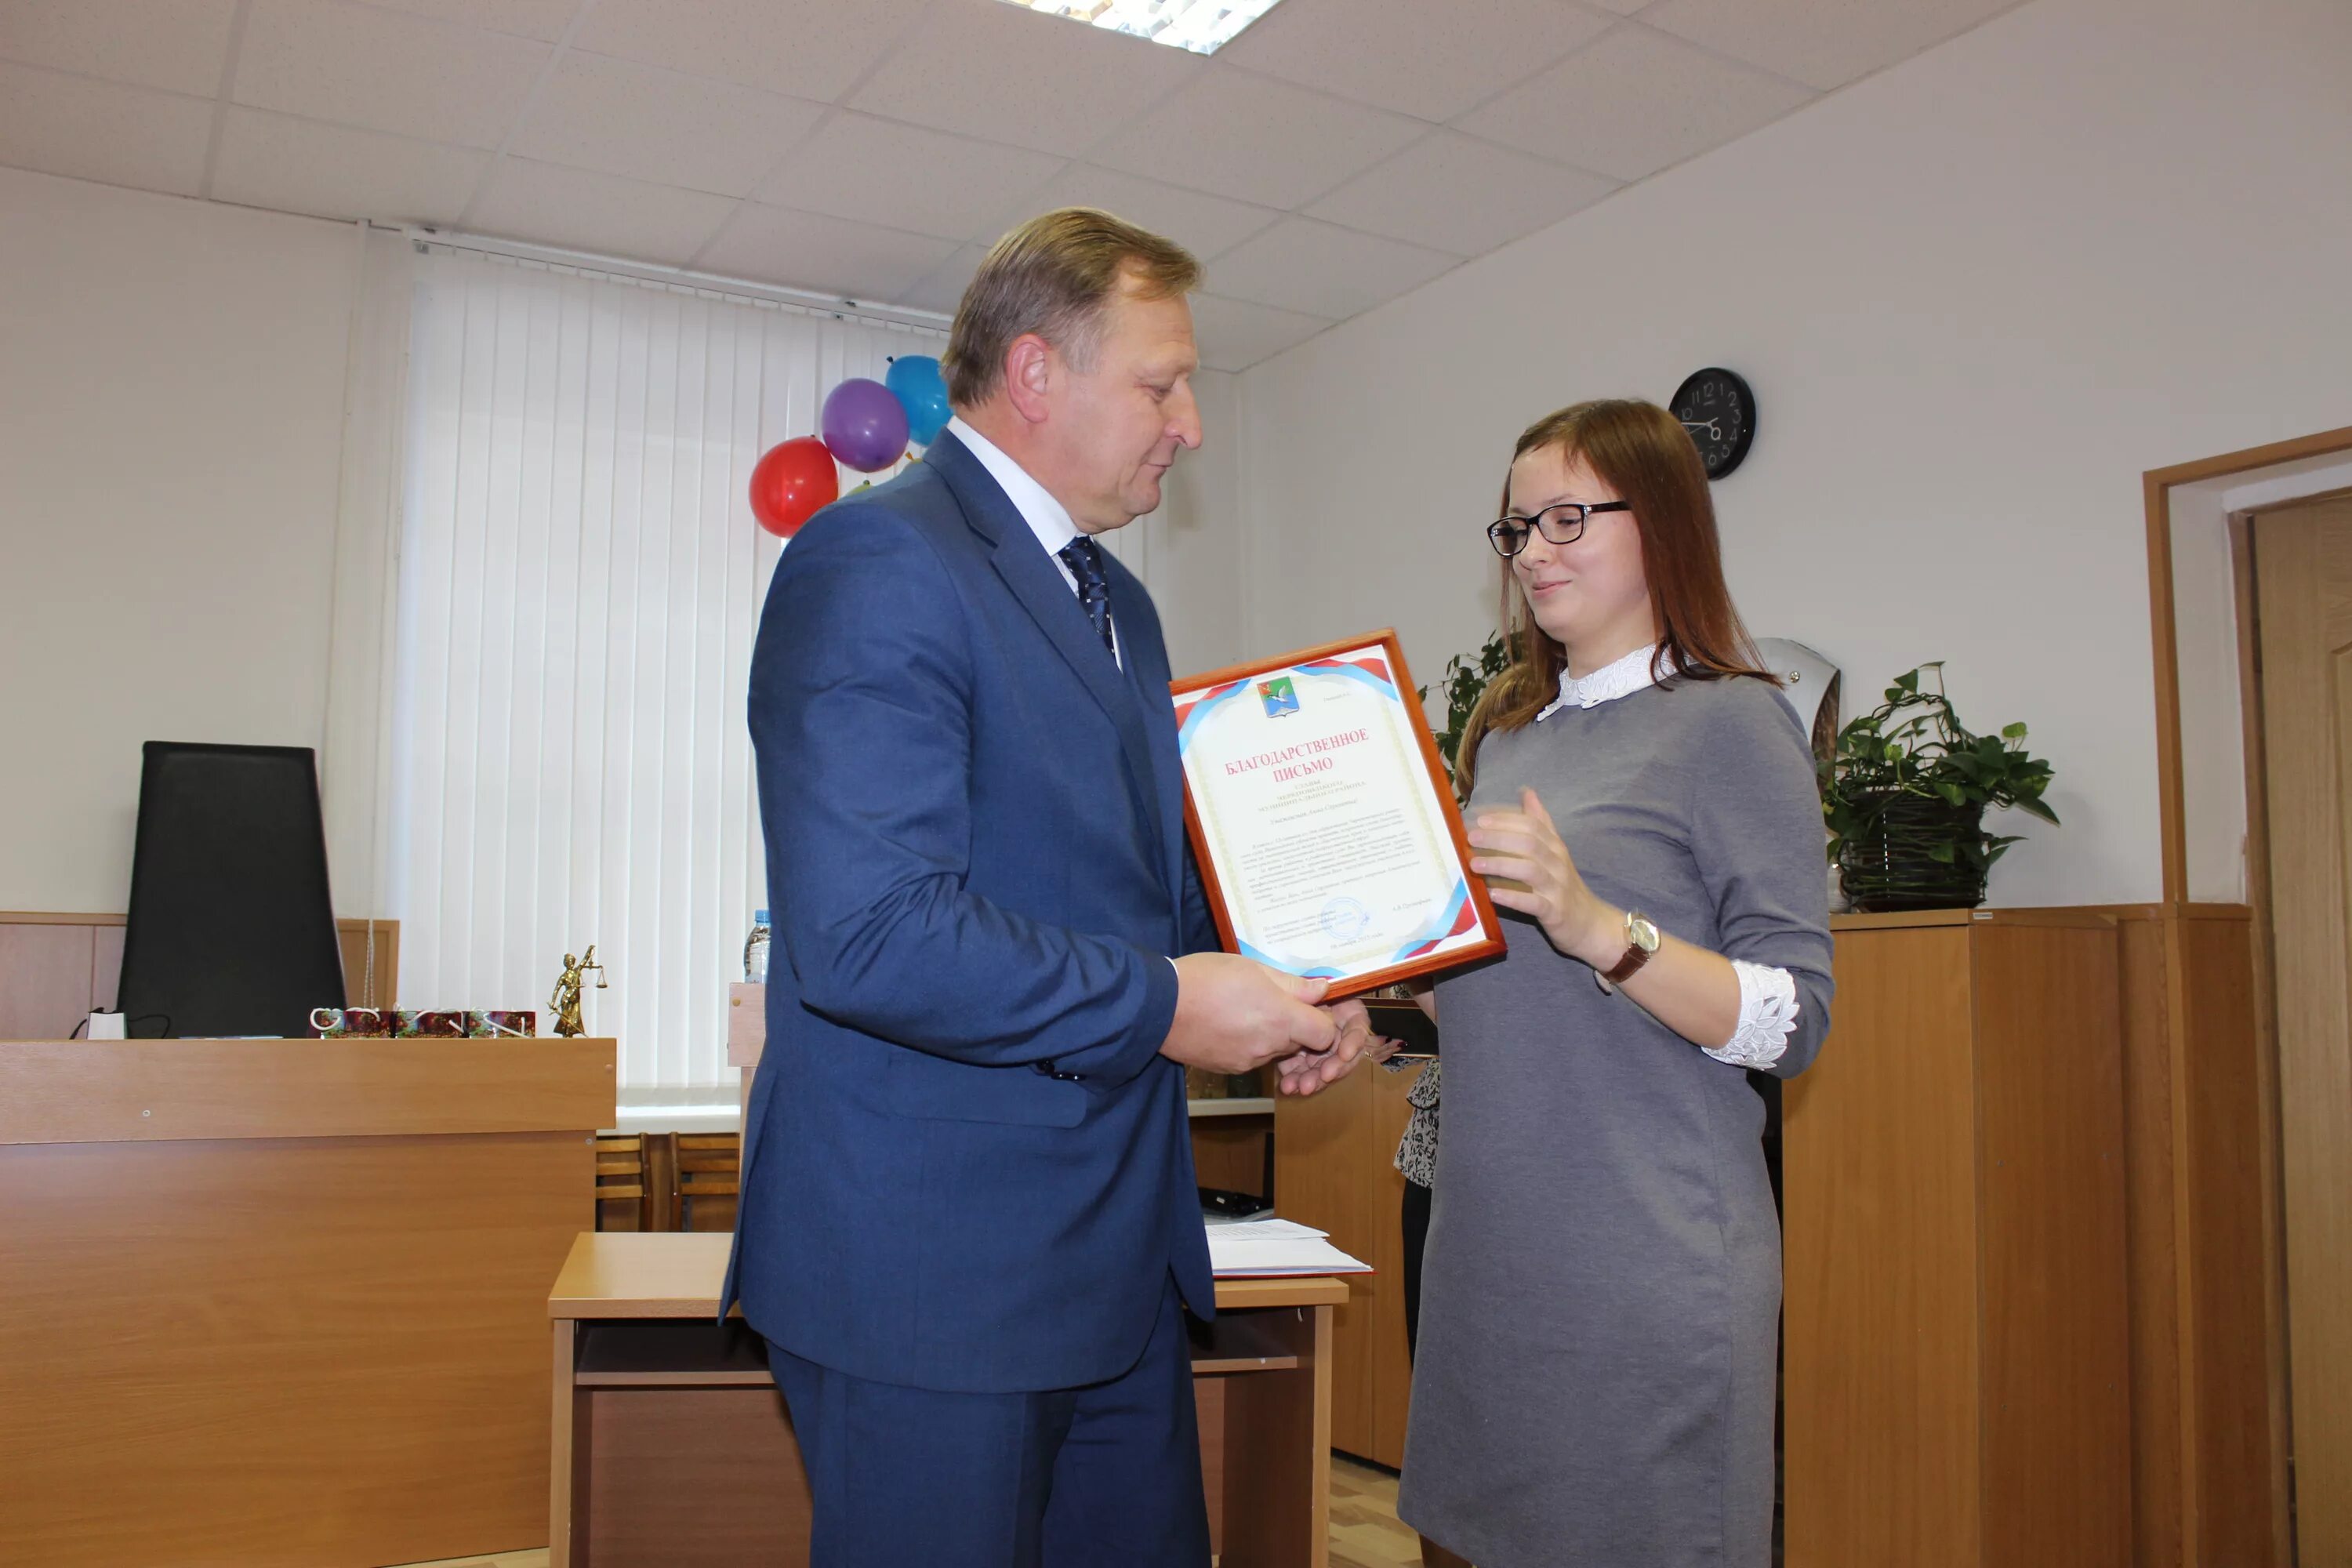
x: 1468, y: 676
x: 1905, y: 794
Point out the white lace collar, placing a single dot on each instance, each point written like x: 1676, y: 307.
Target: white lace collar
x: 1622, y: 678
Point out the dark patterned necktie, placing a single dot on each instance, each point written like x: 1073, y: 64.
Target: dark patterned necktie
x: 1082, y: 556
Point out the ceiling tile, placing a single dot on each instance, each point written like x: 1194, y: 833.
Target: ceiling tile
x: 1257, y: 139
x: 809, y: 48
x: 943, y: 289
x: 1455, y: 193
x: 1826, y: 43
x: 1412, y: 56
x: 176, y: 44
x: 981, y: 69
x: 827, y: 255
x: 103, y: 131
x: 333, y: 171
x: 542, y: 19
x: 645, y: 123
x: 1234, y: 335
x: 1204, y: 225
x: 902, y: 176
x: 580, y: 209
x: 1634, y: 103
x: 1322, y: 270
x: 359, y: 66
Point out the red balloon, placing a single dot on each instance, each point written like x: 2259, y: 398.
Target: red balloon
x: 791, y: 482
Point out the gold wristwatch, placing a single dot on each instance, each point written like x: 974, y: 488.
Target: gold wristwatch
x: 1641, y: 941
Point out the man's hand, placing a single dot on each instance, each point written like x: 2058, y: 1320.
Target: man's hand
x: 1234, y: 1014
x: 1309, y: 1071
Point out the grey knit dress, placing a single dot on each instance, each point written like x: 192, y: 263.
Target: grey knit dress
x: 1600, y: 1298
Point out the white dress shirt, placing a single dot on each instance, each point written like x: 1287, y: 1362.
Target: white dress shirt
x: 1768, y: 996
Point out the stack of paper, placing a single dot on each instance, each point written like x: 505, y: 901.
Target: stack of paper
x: 1274, y: 1249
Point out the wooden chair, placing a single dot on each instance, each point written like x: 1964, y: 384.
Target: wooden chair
x: 621, y: 1202
x: 709, y: 1164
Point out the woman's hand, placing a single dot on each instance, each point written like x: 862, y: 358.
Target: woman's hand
x: 1525, y: 847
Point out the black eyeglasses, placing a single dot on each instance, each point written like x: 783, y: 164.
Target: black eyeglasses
x: 1561, y: 524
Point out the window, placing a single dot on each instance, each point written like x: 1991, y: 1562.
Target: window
x: 579, y: 582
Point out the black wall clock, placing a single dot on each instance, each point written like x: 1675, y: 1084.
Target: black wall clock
x: 1719, y: 411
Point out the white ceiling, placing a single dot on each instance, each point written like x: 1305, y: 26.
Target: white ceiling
x: 1336, y: 154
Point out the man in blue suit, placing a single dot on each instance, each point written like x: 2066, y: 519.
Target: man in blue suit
x: 968, y: 1221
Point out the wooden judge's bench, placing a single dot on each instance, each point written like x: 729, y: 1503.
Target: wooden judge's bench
x: 282, y: 1303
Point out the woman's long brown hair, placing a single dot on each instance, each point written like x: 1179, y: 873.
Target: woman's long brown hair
x: 1642, y: 452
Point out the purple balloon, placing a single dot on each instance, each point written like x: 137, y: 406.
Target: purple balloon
x: 865, y: 425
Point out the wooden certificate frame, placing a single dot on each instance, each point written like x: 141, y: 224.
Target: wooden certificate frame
x: 1364, y: 679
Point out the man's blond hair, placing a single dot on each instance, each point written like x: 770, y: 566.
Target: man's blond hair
x: 1056, y: 275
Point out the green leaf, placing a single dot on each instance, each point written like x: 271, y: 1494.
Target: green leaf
x: 2034, y: 807
x: 1943, y: 854
x: 2013, y: 733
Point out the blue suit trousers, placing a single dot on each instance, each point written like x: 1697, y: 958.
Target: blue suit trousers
x: 1105, y: 1476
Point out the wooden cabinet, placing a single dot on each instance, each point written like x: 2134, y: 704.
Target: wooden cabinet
x: 1957, y: 1343
x: 1334, y: 1168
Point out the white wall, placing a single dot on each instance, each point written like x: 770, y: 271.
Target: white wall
x: 173, y: 425
x: 1977, y: 295
x: 171, y: 418
x: 1192, y: 544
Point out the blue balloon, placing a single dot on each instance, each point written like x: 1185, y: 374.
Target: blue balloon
x: 914, y: 381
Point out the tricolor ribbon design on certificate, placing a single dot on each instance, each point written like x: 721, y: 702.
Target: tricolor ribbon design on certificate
x: 1324, y: 824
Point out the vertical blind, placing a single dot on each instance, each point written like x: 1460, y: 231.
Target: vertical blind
x: 580, y: 579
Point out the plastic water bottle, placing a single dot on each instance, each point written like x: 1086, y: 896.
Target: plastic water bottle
x: 755, y: 950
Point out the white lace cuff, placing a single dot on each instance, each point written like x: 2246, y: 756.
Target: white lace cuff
x: 1767, y: 1016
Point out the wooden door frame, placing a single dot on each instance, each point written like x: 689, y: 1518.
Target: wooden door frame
x: 2157, y: 485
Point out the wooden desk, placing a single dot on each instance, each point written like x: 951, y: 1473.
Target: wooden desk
x: 671, y: 1449
x: 280, y: 1302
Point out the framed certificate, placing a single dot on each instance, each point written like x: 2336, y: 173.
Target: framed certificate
x: 1324, y: 821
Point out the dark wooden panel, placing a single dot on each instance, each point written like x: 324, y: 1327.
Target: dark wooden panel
x: 1335, y: 1169
x: 2151, y: 1210
x: 1880, y: 1226
x: 1230, y: 1152
x: 105, y: 965
x: 1275, y: 1497
x: 2057, y: 1330
x: 2230, y: 1307
x: 696, y: 1478
x: 44, y: 979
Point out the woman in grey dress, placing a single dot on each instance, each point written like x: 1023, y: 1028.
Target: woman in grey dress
x: 1601, y: 1301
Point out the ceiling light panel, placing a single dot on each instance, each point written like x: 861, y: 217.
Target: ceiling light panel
x: 1200, y: 26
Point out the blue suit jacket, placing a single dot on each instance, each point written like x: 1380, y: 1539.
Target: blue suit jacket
x: 966, y: 1166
